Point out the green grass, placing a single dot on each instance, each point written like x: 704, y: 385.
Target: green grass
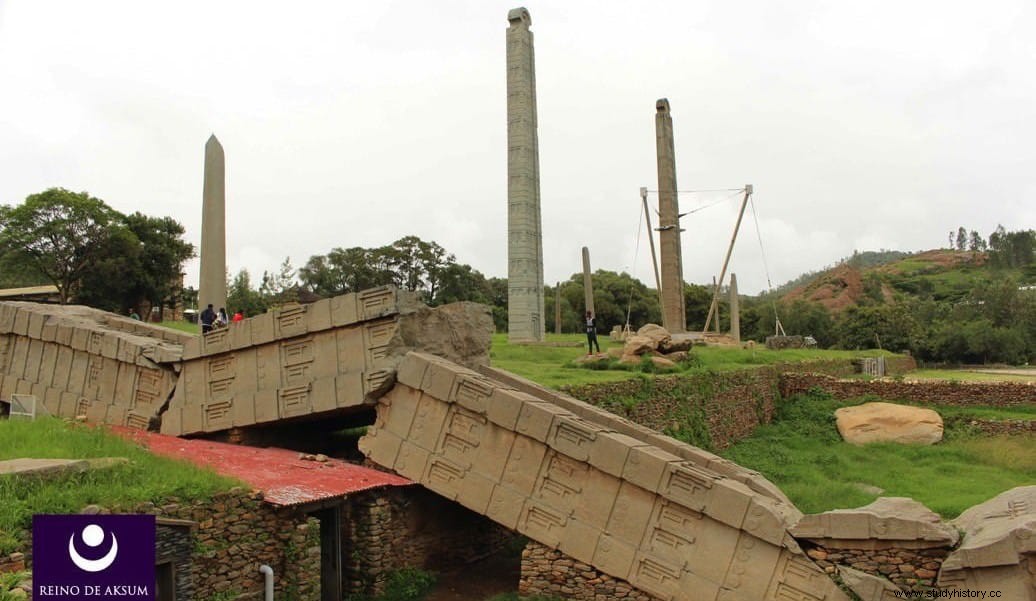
x: 552, y: 366
x: 961, y: 375
x: 183, y: 326
x: 145, y: 478
x: 803, y: 454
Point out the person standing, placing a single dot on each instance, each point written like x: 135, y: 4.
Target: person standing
x: 208, y: 316
x: 591, y: 334
x: 239, y: 316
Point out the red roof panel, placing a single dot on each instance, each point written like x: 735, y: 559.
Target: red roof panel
x: 279, y: 473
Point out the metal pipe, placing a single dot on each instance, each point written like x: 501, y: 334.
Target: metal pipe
x: 267, y: 573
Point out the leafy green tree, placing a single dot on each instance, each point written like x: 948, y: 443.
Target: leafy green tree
x: 241, y: 296
x: 280, y: 287
x: 59, y: 234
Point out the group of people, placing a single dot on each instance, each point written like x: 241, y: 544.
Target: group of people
x: 214, y: 320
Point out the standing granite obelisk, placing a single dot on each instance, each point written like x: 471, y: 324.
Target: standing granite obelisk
x: 525, y: 310
x: 588, y: 283
x: 674, y: 316
x: 212, y: 289
x: 735, y: 310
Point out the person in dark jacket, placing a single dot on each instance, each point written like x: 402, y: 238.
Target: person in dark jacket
x: 208, y: 316
x: 591, y: 333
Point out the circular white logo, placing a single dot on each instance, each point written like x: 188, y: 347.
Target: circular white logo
x: 93, y: 536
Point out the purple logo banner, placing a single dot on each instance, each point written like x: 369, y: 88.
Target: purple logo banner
x: 95, y: 557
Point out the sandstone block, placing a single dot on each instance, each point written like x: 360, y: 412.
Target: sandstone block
x: 888, y: 422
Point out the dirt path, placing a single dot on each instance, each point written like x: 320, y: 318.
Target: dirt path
x: 479, y: 581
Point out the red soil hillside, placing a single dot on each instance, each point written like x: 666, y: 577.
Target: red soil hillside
x: 836, y: 289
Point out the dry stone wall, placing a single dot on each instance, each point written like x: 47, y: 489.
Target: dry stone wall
x: 996, y: 394
x: 390, y: 529
x: 550, y: 573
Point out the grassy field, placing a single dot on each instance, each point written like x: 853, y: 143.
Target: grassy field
x: 552, y: 365
x: 145, y: 478
x: 183, y: 326
x: 802, y: 453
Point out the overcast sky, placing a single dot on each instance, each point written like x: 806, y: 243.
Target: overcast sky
x: 861, y: 125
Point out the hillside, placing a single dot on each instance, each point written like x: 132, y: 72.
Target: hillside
x: 941, y: 275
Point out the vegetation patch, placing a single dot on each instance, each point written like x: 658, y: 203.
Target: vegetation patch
x: 802, y: 452
x: 145, y: 478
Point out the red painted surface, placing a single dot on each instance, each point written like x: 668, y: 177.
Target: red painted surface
x: 279, y: 473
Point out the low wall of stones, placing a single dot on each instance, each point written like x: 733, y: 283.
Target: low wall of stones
x: 15, y: 562
x: 708, y: 410
x: 231, y: 535
x: 236, y: 533
x: 550, y: 573
x: 910, y: 569
x: 995, y: 394
x: 397, y: 528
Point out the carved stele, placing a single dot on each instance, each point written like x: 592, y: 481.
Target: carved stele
x: 212, y: 288
x: 525, y: 309
x: 674, y: 316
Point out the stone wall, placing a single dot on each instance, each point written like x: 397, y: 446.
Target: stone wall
x: 174, y: 543
x: 397, y: 528
x: 236, y: 533
x: 996, y: 394
x: 15, y: 562
x: 708, y: 410
x: 551, y: 573
x: 910, y: 569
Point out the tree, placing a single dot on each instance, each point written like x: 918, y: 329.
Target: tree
x: 280, y: 288
x: 59, y: 234
x: 975, y: 241
x: 962, y: 238
x: 242, y: 297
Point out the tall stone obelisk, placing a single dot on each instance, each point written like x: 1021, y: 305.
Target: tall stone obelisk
x: 525, y: 310
x: 213, y: 286
x: 588, y: 283
x: 674, y: 316
x: 735, y: 310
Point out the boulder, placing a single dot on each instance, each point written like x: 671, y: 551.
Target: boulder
x: 677, y: 356
x: 615, y: 352
x: 630, y: 359
x: 662, y: 362
x: 659, y: 335
x: 999, y: 539
x: 638, y: 345
x: 684, y: 343
x: 888, y: 422
x: 899, y: 519
x: 595, y: 358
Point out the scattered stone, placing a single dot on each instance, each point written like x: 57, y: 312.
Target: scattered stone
x: 320, y: 458
x: 638, y: 345
x: 662, y: 362
x: 868, y: 488
x: 869, y: 587
x: 677, y: 356
x: 888, y: 422
x: 659, y: 336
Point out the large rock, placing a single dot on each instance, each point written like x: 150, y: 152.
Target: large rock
x: 461, y: 332
x: 639, y: 345
x: 899, y: 519
x: 658, y: 335
x: 998, y: 549
x: 888, y: 422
